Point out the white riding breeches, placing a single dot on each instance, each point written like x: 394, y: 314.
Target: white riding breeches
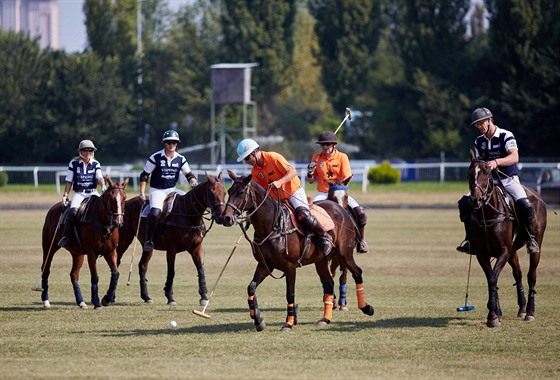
x: 322, y: 196
x: 157, y: 196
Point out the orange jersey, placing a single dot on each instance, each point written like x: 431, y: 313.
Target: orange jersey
x: 275, y: 167
x: 328, y: 169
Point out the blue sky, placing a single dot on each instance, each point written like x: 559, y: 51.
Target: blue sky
x: 72, y: 27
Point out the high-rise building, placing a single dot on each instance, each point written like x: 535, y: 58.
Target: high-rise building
x: 38, y: 18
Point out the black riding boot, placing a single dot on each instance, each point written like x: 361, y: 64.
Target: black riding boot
x: 361, y: 221
x: 465, y: 212
x: 311, y: 224
x: 68, y: 226
x: 526, y: 213
x: 152, y: 221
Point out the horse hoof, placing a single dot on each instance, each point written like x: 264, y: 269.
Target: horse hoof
x: 97, y: 307
x: 368, y: 309
x: 203, y: 302
x: 529, y: 318
x: 46, y: 304
x: 149, y: 301
x: 105, y: 301
x: 323, y: 322
x: 287, y: 328
x: 521, y: 315
x: 260, y: 327
x: 82, y: 305
x: 344, y: 307
x: 172, y: 303
x: 493, y: 323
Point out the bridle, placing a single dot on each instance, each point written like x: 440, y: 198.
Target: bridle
x: 105, y: 201
x: 486, y: 191
x: 204, y: 202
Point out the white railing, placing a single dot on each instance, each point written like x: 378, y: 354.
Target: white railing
x: 420, y: 171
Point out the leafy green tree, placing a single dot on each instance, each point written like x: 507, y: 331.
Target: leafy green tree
x: 348, y: 33
x: 524, y: 38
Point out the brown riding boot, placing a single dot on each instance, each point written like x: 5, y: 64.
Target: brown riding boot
x: 68, y: 226
x: 361, y: 221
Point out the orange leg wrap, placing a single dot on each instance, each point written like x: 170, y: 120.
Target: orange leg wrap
x: 291, y: 318
x: 328, y: 300
x: 251, y: 306
x: 361, y: 296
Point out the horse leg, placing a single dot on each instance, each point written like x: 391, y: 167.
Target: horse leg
x: 291, y: 318
x: 110, y: 297
x: 518, y: 276
x: 260, y: 274
x: 492, y: 275
x: 323, y: 271
x: 168, y: 289
x: 92, y: 261
x: 77, y: 261
x: 360, y: 292
x: 196, y: 255
x: 342, y: 303
x: 46, y: 268
x: 532, y: 281
x: 142, y: 269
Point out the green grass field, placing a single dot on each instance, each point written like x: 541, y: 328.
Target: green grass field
x: 413, y: 276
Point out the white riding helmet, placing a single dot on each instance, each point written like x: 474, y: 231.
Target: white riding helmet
x: 84, y: 144
x: 245, y: 148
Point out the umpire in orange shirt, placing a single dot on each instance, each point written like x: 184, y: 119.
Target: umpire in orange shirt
x: 332, y: 164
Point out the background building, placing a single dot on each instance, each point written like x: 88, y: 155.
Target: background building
x: 38, y: 18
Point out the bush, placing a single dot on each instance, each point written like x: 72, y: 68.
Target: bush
x: 3, y: 179
x: 384, y: 173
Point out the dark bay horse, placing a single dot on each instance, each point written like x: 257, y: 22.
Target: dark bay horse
x: 96, y: 234
x: 182, y: 229
x: 277, y: 244
x: 495, y: 233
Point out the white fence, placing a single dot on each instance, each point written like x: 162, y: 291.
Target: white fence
x: 436, y: 171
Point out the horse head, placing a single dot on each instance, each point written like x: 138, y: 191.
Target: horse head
x: 338, y: 191
x: 215, y: 197
x: 239, y: 199
x: 114, y: 200
x: 480, y: 181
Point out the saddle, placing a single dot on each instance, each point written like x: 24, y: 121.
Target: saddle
x: 318, y: 212
x: 167, y: 206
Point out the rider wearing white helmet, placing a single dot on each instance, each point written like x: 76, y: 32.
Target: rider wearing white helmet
x: 84, y: 173
x: 164, y: 166
x: 271, y: 169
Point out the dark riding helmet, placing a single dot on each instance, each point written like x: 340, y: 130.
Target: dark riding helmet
x: 480, y: 114
x: 170, y: 135
x: 327, y: 137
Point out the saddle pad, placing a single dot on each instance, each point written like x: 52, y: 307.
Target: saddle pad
x: 322, y: 216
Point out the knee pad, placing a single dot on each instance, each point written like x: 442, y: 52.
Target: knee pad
x: 305, y: 218
x: 465, y: 208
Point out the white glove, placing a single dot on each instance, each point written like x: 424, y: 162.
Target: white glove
x: 311, y: 168
x: 65, y: 200
x: 103, y: 188
x: 194, y: 184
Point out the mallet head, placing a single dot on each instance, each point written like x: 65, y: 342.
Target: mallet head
x: 465, y: 308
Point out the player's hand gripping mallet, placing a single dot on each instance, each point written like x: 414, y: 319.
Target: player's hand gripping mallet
x: 202, y: 313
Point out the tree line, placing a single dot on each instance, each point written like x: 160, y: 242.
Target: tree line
x: 414, y: 69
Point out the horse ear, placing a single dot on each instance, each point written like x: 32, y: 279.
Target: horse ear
x: 111, y: 183
x: 345, y: 182
x: 232, y: 175
x: 208, y: 178
x: 220, y: 177
x: 472, y: 155
x: 248, y: 178
x: 125, y: 182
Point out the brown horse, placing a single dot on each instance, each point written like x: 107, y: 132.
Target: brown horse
x: 278, y: 244
x: 495, y: 233
x: 96, y: 234
x: 182, y: 229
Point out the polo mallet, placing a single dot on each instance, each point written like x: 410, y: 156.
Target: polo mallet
x: 202, y: 313
x: 40, y: 287
x: 347, y: 117
x: 467, y: 307
x: 135, y: 242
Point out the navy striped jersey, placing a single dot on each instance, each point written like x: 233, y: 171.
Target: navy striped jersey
x: 165, y: 172
x: 497, y: 147
x: 84, y: 177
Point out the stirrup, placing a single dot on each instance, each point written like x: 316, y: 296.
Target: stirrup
x: 148, y: 246
x: 363, y: 247
x: 63, y: 242
x: 464, y: 247
x: 532, y: 246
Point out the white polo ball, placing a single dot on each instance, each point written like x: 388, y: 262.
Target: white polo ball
x: 173, y: 324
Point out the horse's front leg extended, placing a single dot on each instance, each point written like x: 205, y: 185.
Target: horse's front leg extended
x: 168, y: 289
x: 532, y: 281
x: 111, y: 292
x: 196, y: 255
x: 142, y: 270
x: 328, y: 289
x: 518, y: 276
x: 77, y: 261
x: 92, y: 261
x: 291, y: 318
x: 260, y: 274
x: 492, y: 276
